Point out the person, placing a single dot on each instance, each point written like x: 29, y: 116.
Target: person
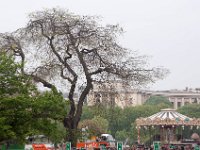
x: 133, y: 147
x: 98, y: 139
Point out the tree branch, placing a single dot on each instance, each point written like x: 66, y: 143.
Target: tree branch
x: 44, y: 82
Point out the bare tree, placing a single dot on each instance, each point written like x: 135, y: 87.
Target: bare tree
x: 59, y: 46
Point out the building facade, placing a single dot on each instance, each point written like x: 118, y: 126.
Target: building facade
x: 180, y: 98
x: 116, y: 94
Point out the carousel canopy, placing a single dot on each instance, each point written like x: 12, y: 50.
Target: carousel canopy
x: 167, y: 117
x: 168, y: 114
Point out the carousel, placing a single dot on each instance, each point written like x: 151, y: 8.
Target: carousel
x: 167, y: 121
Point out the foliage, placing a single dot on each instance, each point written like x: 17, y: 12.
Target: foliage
x: 115, y: 118
x: 102, y: 123
x: 14, y: 97
x: 122, y: 135
x: 95, y: 126
x: 155, y: 100
x: 121, y: 121
x: 54, y: 130
x: 88, y: 112
x: 48, y: 111
x: 190, y: 110
x: 23, y: 110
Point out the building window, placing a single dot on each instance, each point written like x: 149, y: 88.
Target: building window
x: 179, y: 104
x: 194, y: 101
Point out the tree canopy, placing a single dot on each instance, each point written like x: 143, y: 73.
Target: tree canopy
x: 156, y: 100
x: 190, y: 110
x: 24, y: 110
x: 95, y: 126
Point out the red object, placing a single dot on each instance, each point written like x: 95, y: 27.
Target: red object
x: 39, y: 147
x: 92, y: 144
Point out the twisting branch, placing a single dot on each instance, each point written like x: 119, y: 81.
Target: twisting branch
x: 44, y: 82
x: 54, y: 50
x: 68, y: 53
x: 65, y: 77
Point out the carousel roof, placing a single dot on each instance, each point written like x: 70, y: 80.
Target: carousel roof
x: 168, y: 114
x: 167, y: 117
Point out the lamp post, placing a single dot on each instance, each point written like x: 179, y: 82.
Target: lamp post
x: 138, y: 137
x: 150, y: 134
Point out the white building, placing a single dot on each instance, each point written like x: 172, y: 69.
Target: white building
x: 115, y: 94
x: 180, y: 97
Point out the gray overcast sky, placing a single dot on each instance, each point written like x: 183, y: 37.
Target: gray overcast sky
x: 166, y: 30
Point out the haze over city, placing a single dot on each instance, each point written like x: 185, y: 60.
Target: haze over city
x: 167, y: 31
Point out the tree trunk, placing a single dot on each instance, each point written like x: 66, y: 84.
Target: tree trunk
x: 73, y: 118
x: 71, y: 129
x: 72, y: 136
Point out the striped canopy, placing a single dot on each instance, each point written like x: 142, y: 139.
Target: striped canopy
x: 168, y: 114
x: 167, y: 117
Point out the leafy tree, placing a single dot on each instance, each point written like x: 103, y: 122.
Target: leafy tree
x: 155, y: 100
x: 48, y: 110
x: 114, y: 115
x: 23, y: 110
x: 122, y: 135
x: 76, y: 50
x: 14, y: 99
x: 88, y: 112
x: 95, y: 126
x: 115, y: 118
x: 190, y: 110
x: 102, y: 123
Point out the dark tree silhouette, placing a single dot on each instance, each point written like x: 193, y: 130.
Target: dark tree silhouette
x: 59, y: 46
